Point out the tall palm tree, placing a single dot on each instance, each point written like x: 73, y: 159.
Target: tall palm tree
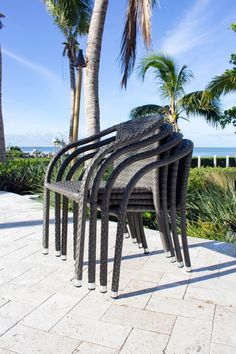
x: 171, y: 83
x: 2, y: 137
x: 225, y: 83
x: 72, y: 17
x: 138, y: 15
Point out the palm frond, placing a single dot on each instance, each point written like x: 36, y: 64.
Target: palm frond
x: 202, y: 103
x: 184, y: 76
x: 138, y: 13
x: 70, y: 13
x: 1, y: 24
x: 223, y: 84
x: 170, y: 82
x: 146, y: 110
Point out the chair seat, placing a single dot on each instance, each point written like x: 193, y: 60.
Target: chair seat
x: 70, y: 189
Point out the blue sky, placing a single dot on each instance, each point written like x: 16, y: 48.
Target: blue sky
x: 36, y: 95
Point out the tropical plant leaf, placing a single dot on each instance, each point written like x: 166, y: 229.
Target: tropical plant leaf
x: 223, y: 84
x: 138, y: 14
x: 202, y: 103
x: 146, y: 110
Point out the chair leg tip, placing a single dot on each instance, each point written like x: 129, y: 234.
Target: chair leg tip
x: 146, y: 250
x: 63, y: 258
x: 180, y: 264
x: 77, y: 283
x: 58, y: 254
x: 103, y: 289
x: 91, y: 286
x: 114, y: 294
x: 45, y: 251
x: 188, y: 269
x: 168, y: 254
x: 140, y: 245
x: 173, y: 259
x: 134, y: 240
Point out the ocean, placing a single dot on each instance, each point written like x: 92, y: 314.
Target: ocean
x: 198, y: 151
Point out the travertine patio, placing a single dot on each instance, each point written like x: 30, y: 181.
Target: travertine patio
x: 161, y: 308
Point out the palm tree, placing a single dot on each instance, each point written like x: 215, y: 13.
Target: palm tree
x: 138, y: 14
x: 171, y: 83
x: 2, y: 137
x: 72, y: 17
x: 223, y: 84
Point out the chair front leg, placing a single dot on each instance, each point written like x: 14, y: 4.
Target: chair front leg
x: 92, y: 245
x: 118, y: 253
x: 75, y: 225
x: 104, y: 249
x: 58, y: 224
x: 46, y: 211
x: 184, y: 239
x: 64, y: 228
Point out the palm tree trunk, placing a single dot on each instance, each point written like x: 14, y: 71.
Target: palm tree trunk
x: 72, y: 90
x: 77, y: 105
x: 92, y: 67
x: 2, y: 138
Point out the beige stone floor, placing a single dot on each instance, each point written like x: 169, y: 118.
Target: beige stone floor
x: 161, y: 309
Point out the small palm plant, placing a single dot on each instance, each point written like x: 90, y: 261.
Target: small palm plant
x: 171, y: 83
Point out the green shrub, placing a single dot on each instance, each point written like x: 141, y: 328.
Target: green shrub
x: 209, y: 162
x: 23, y: 176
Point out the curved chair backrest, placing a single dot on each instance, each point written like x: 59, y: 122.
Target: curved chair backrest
x: 78, y: 152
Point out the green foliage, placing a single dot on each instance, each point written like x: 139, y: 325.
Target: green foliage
x: 23, y: 176
x: 14, y: 152
x: 211, y: 204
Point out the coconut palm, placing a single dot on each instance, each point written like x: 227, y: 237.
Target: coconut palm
x: 138, y: 15
x: 2, y: 137
x: 72, y: 17
x: 171, y: 83
x: 224, y: 84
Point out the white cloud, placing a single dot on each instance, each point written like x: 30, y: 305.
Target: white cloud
x: 35, y: 67
x: 190, y: 32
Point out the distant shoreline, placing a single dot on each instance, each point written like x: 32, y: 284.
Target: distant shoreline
x: 198, y: 151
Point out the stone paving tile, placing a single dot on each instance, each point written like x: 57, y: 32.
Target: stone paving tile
x: 93, y: 331
x: 25, y: 340
x: 193, y: 309
x: 213, y: 296
x: 38, y: 290
x: 145, y: 342
x: 93, y: 306
x: 5, y: 351
x: 3, y: 301
x: 190, y: 337
x: 217, y: 348
x: 11, y: 313
x: 173, y: 285
x: 89, y: 348
x: 136, y: 294
x: 224, y: 328
x: 50, y: 312
x: 24, y: 294
x: 142, y: 319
